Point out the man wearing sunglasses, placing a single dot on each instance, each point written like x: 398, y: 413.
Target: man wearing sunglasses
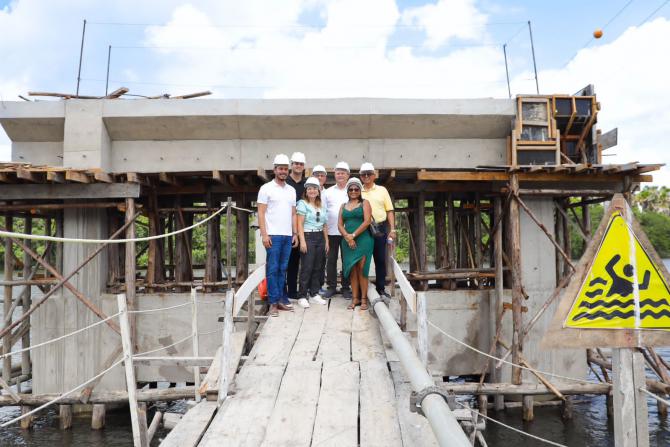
x: 382, y: 214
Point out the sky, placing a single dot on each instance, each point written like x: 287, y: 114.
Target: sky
x: 354, y: 48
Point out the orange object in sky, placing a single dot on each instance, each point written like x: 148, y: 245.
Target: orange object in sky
x: 598, y: 33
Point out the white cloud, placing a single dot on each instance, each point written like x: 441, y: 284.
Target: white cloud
x: 446, y: 20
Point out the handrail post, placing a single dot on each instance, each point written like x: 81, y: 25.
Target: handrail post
x: 224, y: 380
x: 194, y: 339
x: 137, y: 417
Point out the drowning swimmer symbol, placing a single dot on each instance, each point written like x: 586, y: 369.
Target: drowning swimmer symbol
x: 623, y: 286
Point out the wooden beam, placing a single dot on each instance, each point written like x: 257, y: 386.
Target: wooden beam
x: 55, y: 177
x: 218, y: 177
x: 523, y: 176
x: 262, y: 174
x: 30, y: 176
x: 170, y: 179
x: 133, y: 177
x: 77, y: 176
x: 69, y: 191
x: 117, y: 93
x: 103, y: 177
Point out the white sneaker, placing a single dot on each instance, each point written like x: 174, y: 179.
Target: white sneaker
x: 302, y: 302
x: 317, y: 299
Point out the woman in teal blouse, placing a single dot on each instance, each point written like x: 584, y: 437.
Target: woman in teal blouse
x: 313, y: 236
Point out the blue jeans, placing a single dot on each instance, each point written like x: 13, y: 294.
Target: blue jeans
x: 275, y: 268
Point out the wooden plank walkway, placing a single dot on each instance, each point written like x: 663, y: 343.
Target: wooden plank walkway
x: 317, y: 377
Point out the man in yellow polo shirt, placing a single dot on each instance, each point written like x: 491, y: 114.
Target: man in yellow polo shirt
x: 382, y: 213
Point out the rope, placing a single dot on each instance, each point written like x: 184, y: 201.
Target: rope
x: 38, y: 237
x: 243, y: 209
x: 558, y: 376
x: 53, y: 340
x: 51, y: 402
x: 546, y: 441
x: 159, y: 309
x: 210, y: 332
x: 655, y: 396
x: 163, y: 347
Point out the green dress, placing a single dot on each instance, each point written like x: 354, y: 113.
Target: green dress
x: 364, y: 242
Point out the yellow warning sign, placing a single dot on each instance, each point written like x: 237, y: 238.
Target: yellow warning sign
x: 623, y: 288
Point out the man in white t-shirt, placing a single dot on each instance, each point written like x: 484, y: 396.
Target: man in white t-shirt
x: 333, y: 198
x: 277, y: 222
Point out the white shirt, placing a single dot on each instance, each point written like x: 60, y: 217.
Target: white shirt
x: 333, y: 198
x: 280, y: 201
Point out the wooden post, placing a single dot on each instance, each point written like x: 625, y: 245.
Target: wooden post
x: 65, y: 417
x: 513, y: 231
x: 155, y: 263
x: 440, y: 216
x: 114, y: 257
x: 251, y: 323
x: 229, y: 242
x: 130, y: 268
x: 59, y: 247
x: 25, y: 301
x: 242, y: 250
x: 422, y: 327
x: 212, y: 246
x: 567, y: 243
x: 420, y: 236
x: 451, y: 237
x: 9, y: 275
x: 497, y: 308
x: 27, y: 422
x: 477, y: 227
x: 98, y: 417
x: 194, y: 339
x: 182, y: 258
x: 139, y: 425
x: 226, y: 347
x: 631, y: 425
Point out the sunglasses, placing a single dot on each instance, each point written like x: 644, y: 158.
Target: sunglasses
x: 367, y: 174
x: 318, y: 216
x: 354, y: 190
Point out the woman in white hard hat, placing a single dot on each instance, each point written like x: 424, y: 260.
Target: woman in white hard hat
x: 357, y: 243
x: 313, y: 236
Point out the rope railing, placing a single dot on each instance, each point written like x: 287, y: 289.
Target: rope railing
x: 525, y: 433
x: 62, y: 396
x: 462, y: 343
x: 160, y: 309
x: 62, y: 337
x: 39, y: 237
x: 188, y: 337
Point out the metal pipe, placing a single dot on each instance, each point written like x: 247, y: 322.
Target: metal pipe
x: 509, y: 89
x: 81, y: 55
x: 446, y: 428
x: 109, y: 57
x: 532, y: 49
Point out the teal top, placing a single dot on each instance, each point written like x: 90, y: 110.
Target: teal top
x: 315, y: 218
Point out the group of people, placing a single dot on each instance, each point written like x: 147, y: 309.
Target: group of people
x: 305, y: 226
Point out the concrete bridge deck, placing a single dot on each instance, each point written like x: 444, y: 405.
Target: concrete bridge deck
x: 315, y: 377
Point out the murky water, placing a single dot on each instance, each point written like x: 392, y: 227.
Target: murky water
x: 589, y: 426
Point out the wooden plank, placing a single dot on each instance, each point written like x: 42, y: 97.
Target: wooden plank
x: 77, y: 176
x: 336, y: 341
x: 226, y: 348
x: 378, y: 414
x: 69, y: 191
x: 422, y: 328
x: 276, y: 340
x: 405, y: 287
x: 366, y: 338
x: 170, y: 179
x: 55, y: 177
x: 191, y: 427
x: 336, y: 423
x: 414, y: 428
x: 523, y: 176
x: 243, y: 419
x: 174, y: 361
x: 247, y: 288
x: 30, y: 176
x: 307, y: 343
x: 294, y: 413
x: 211, y: 380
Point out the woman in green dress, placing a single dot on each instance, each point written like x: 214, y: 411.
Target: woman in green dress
x: 357, y: 242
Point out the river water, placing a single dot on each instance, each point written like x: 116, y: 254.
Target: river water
x: 589, y: 426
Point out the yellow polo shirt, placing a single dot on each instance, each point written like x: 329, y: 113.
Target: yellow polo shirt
x: 380, y: 202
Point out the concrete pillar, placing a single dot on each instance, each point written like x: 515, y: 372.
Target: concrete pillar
x: 86, y: 143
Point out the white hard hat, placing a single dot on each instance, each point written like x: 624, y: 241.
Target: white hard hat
x: 298, y: 157
x: 354, y: 181
x: 312, y: 181
x: 342, y: 165
x: 319, y: 168
x: 281, y: 159
x: 367, y: 167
